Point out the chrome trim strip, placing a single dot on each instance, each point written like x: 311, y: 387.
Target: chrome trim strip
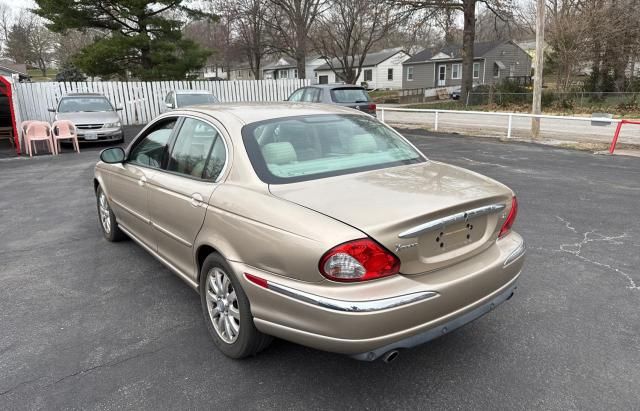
x: 130, y: 211
x: 450, y: 219
x: 170, y: 266
x: 171, y: 235
x: 515, y: 254
x: 351, y: 306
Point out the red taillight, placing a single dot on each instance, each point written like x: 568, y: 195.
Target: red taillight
x: 358, y: 260
x: 511, y: 218
x: 372, y: 106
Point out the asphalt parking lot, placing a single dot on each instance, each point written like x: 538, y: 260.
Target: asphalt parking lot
x: 89, y: 324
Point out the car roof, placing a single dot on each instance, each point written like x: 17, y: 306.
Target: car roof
x: 84, y: 95
x: 335, y: 85
x: 253, y: 112
x: 186, y: 91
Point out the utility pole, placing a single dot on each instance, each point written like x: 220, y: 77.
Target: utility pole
x: 537, y: 80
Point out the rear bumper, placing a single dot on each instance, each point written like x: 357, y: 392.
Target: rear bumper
x: 502, y: 295
x: 369, y: 319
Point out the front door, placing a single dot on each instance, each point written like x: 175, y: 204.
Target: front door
x: 442, y: 75
x: 128, y: 190
x: 178, y: 196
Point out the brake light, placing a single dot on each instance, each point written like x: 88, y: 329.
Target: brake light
x: 372, y: 106
x: 358, y: 260
x: 511, y: 218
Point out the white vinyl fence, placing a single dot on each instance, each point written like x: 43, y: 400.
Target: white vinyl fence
x: 142, y: 101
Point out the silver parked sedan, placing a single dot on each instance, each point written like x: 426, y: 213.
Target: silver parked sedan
x: 94, y: 116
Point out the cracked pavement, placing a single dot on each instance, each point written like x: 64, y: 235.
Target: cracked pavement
x: 93, y: 325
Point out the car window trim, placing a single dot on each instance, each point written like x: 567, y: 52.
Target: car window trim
x: 172, y: 142
x: 144, y: 133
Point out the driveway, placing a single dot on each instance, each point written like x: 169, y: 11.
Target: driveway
x: 89, y: 324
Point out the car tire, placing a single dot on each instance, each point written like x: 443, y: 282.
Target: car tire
x: 235, y: 337
x: 107, y: 219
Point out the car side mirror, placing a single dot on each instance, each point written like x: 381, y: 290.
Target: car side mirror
x: 112, y: 155
x: 51, y: 110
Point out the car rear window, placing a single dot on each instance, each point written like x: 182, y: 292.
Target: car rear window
x: 185, y: 100
x: 301, y: 148
x: 349, y: 95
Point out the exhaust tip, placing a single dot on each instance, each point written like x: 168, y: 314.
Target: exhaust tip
x: 390, y: 356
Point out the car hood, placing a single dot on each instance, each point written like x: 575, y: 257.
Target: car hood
x: 384, y: 203
x: 90, y: 117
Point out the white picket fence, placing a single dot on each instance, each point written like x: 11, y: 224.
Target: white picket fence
x: 142, y: 101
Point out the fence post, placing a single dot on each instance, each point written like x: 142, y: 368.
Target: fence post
x: 435, y: 127
x: 382, y: 114
x: 509, y: 126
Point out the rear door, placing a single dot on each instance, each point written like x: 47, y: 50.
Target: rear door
x: 353, y: 97
x: 128, y: 184
x: 178, y: 195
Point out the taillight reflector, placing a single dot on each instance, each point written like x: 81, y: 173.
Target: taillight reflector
x: 358, y: 260
x: 257, y: 280
x: 372, y: 106
x: 511, y: 218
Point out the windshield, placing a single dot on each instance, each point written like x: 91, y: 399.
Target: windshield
x: 291, y: 149
x: 195, y: 99
x: 84, y: 104
x: 349, y: 95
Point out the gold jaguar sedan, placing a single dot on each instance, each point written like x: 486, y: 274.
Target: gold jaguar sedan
x: 312, y: 223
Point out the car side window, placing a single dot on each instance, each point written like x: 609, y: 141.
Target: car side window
x: 311, y: 95
x: 169, y: 98
x: 216, y: 160
x: 297, y: 95
x: 193, y: 144
x: 150, y: 151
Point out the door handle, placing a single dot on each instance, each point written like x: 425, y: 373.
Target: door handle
x: 142, y: 181
x: 196, y: 199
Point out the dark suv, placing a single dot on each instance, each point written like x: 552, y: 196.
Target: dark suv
x: 340, y: 94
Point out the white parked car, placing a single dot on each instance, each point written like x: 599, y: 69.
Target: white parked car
x: 185, y: 98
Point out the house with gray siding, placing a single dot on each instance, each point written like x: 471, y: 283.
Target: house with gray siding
x: 493, y: 62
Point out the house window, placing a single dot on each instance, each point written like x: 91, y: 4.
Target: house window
x: 476, y: 70
x: 315, y: 74
x: 295, y: 73
x: 283, y: 74
x: 409, y: 73
x: 496, y: 70
x: 368, y: 75
x: 456, y: 72
x: 390, y: 74
x: 239, y: 73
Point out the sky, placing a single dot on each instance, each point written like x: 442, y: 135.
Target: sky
x: 20, y: 4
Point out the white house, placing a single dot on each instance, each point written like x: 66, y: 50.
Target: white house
x: 380, y: 70
x: 286, y: 68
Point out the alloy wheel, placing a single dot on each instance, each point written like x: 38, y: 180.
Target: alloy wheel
x: 105, y: 216
x: 222, y: 305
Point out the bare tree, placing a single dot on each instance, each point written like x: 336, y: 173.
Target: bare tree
x: 252, y: 34
x: 347, y: 31
x: 290, y: 22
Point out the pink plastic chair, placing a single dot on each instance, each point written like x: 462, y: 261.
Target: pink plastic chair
x: 23, y: 133
x: 38, y: 131
x: 64, y: 130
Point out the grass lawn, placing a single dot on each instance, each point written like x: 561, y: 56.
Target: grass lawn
x: 36, y: 74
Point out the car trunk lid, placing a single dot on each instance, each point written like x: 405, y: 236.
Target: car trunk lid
x: 430, y: 215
